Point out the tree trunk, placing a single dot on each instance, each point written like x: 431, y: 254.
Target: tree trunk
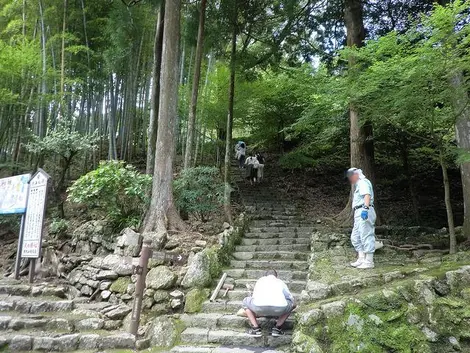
x: 62, y: 57
x: 462, y: 133
x: 228, y: 136
x: 112, y: 154
x: 361, y: 137
x: 155, y: 92
x: 195, y: 90
x: 450, y: 213
x: 162, y: 214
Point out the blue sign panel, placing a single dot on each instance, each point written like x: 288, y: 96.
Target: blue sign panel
x: 14, y: 194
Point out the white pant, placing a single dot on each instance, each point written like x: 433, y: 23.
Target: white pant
x: 260, y: 171
x: 363, y: 233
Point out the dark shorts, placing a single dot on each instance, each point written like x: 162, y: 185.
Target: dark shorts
x: 267, y: 311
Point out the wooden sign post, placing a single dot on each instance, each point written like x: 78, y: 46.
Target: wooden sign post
x: 31, y: 237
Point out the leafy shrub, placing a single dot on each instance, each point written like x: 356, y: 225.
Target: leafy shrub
x: 58, y: 227
x: 117, y: 190
x: 199, y: 191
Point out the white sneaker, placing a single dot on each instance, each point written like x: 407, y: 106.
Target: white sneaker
x: 359, y: 261
x: 367, y: 263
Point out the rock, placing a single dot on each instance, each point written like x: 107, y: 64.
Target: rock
x: 162, y: 332
x: 119, y: 341
x: 201, y: 243
x: 106, y: 274
x: 176, y: 303
x: 161, y: 296
x: 158, y: 239
x: 105, y: 294
x: 226, y: 225
x: 194, y: 299
x: 333, y: 309
x: 455, y: 343
x: 119, y: 312
x: 120, y: 285
x: 160, y: 309
x: 60, y: 324
x: 356, y: 322
x: 98, y: 232
x: 122, y: 265
x: 89, y: 342
x: 105, y: 285
x: 161, y: 277
x: 128, y: 243
x: 310, y: 318
x: 375, y: 319
x: 177, y: 294
x: 201, y: 269
x: 90, y: 324
x: 112, y: 325
x: 305, y: 344
x: 64, y: 343
x: 21, y: 343
x: 318, y: 290
x: 147, y: 302
x: 431, y: 336
x: 86, y: 290
x: 142, y: 344
x: 172, y: 244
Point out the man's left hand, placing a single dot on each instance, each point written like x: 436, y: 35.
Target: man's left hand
x: 365, y: 215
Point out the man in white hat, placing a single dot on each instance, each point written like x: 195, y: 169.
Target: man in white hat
x: 363, y: 233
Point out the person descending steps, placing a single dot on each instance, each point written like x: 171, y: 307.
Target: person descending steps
x: 363, y: 233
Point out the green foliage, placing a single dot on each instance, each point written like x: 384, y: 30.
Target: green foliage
x: 58, y: 227
x: 118, y: 190
x: 63, y: 141
x: 199, y: 191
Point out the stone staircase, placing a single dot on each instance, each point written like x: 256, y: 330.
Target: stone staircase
x: 278, y: 237
x: 42, y: 317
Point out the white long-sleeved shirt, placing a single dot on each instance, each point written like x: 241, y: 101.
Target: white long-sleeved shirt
x: 271, y: 291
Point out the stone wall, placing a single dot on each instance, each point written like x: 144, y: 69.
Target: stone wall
x: 408, y: 303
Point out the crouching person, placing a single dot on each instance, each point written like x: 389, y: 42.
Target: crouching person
x: 270, y: 298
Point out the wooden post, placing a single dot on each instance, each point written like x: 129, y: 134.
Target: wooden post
x: 141, y: 272
x: 219, y: 286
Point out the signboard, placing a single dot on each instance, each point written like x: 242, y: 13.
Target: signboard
x: 170, y: 258
x: 34, y: 220
x: 14, y: 194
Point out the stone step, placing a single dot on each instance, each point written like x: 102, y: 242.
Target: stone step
x: 271, y: 255
x: 282, y: 229
x: 278, y: 234
x: 227, y: 321
x: 273, y: 248
x: 256, y: 274
x: 34, y: 305
x: 270, y: 264
x: 281, y: 223
x: 231, y: 338
x: 240, y: 294
x: 295, y: 286
x: 66, y: 322
x: 275, y: 241
x: 39, y: 341
x: 17, y: 288
x: 212, y: 349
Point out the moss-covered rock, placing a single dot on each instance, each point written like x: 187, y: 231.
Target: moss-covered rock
x: 204, y: 267
x: 120, y: 285
x: 194, y: 299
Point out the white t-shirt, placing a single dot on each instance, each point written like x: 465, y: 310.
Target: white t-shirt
x: 271, y: 291
x: 253, y: 161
